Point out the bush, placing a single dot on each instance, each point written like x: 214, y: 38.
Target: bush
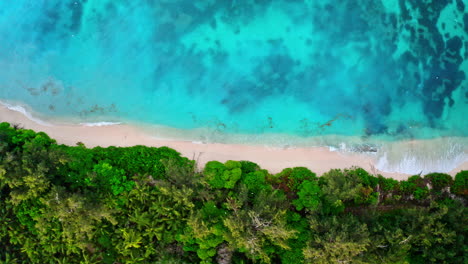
x: 109, y: 179
x: 388, y: 184
x: 407, y: 187
x: 460, y: 185
x: 420, y: 193
x: 338, y: 189
x: 295, y: 176
x: 219, y: 175
x: 248, y: 166
x: 309, y: 196
x: 439, y: 181
x: 417, y: 180
x: 256, y: 181
x: 364, y: 176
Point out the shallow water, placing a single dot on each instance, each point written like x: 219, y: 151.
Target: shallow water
x: 384, y: 69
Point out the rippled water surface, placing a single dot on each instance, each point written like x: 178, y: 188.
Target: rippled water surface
x: 390, y: 68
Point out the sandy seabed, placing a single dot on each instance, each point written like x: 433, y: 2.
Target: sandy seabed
x: 317, y: 159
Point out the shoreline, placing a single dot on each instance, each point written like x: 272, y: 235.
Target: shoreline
x: 317, y: 159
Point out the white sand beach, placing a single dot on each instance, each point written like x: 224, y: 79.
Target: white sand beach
x: 317, y: 159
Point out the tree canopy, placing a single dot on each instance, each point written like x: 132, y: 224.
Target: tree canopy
x: 73, y: 204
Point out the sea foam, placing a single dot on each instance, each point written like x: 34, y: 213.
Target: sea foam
x: 438, y: 155
x: 26, y: 113
x: 99, y: 124
x: 415, y: 165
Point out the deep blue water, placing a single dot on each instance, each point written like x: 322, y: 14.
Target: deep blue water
x: 363, y: 68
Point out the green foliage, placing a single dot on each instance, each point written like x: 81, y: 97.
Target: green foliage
x: 140, y: 159
x: 203, y: 235
x: 220, y: 175
x: 417, y: 180
x: 27, y: 212
x: 259, y: 227
x: 24, y: 136
x: 109, y: 179
x: 63, y: 204
x: 157, y: 209
x: 6, y: 133
x: 415, y: 187
x: 256, y: 182
x: 309, y: 196
x: 248, y: 166
x: 390, y: 242
x: 204, y: 232
x: 80, y: 162
x: 460, y: 185
x: 294, y: 254
x: 434, y: 241
x: 74, y: 215
x: 344, y: 187
x: 439, y: 181
x: 293, y: 177
x: 421, y: 193
x: 213, y: 174
x: 367, y: 196
x: 29, y: 164
x: 387, y: 184
x: 337, y: 240
x: 407, y: 187
x: 365, y: 178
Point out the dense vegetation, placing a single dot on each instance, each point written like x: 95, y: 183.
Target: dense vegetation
x: 62, y: 204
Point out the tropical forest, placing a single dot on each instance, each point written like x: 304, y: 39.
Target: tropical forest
x: 73, y: 204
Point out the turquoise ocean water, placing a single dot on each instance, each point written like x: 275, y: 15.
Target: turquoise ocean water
x: 384, y: 70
